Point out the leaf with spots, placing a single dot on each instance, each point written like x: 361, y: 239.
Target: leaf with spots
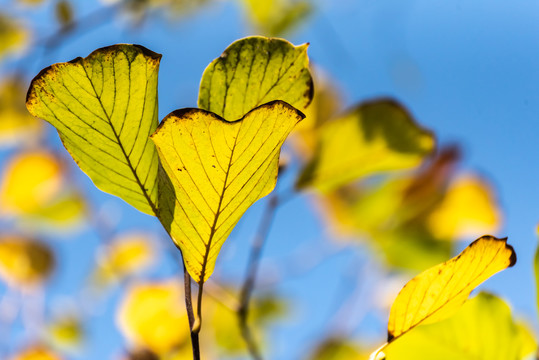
x: 104, y: 108
x: 216, y: 170
x: 254, y: 71
x: 483, y: 328
x: 440, y: 291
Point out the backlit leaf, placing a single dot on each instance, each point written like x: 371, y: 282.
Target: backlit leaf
x: 31, y: 180
x: 375, y: 137
x: 104, y: 108
x: 66, y: 332
x: 152, y: 316
x: 16, y: 125
x: 482, y: 329
x: 24, y: 262
x: 126, y: 255
x: 217, y: 170
x: 34, y: 189
x: 275, y: 17
x: 254, y: 71
x: 438, y: 292
x: 468, y: 208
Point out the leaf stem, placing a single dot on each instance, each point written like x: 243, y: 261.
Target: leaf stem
x: 190, y: 314
x: 250, y: 277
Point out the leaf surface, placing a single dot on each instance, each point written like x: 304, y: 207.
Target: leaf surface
x: 217, y: 169
x: 482, y: 329
x: 375, y: 137
x: 254, y: 71
x: 438, y: 292
x: 151, y: 316
x: 104, y: 108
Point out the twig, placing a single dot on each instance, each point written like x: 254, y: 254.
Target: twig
x: 250, y: 277
x: 190, y: 314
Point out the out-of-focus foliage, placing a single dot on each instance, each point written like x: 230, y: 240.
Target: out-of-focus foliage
x: 24, y: 262
x: 276, y: 17
x: 264, y: 311
x: 440, y: 291
x: 16, y: 125
x: 482, y: 329
x: 66, y: 332
x: 126, y: 255
x: 37, y: 352
x: 254, y: 71
x: 34, y: 187
x: 326, y: 103
x: 399, y: 213
x: 13, y: 36
x: 468, y: 208
x: 373, y: 138
x: 217, y: 170
x: 64, y: 13
x: 104, y: 118
x: 152, y: 316
x: 31, y: 181
x: 337, y: 349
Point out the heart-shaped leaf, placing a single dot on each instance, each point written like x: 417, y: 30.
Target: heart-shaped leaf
x: 440, y: 291
x: 254, y: 71
x: 104, y: 108
x: 216, y: 169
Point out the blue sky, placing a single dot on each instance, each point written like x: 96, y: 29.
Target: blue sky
x: 466, y: 70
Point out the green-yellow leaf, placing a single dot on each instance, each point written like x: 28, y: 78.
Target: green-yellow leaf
x: 24, y: 262
x: 104, y: 108
x: 13, y: 36
x: 217, y: 169
x: 482, y: 329
x: 375, y: 137
x: 17, y: 127
x: 254, y: 71
x: 440, y: 291
x: 275, y: 17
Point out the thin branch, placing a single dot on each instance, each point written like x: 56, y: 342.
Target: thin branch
x: 190, y: 314
x: 250, y: 277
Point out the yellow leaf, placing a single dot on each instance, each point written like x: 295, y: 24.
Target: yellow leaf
x: 275, y: 17
x: 152, y: 316
x: 438, y: 292
x: 483, y: 329
x: 13, y: 36
x: 30, y: 181
x: 24, y: 262
x: 104, y: 108
x: 217, y: 170
x: 126, y: 255
x: 375, y: 137
x: 36, y: 353
x: 66, y: 332
x: 16, y: 125
x: 468, y: 208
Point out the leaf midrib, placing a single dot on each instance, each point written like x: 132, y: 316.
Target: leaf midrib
x: 218, y: 211
x: 127, y: 159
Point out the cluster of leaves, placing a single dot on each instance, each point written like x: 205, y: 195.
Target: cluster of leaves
x: 373, y: 171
